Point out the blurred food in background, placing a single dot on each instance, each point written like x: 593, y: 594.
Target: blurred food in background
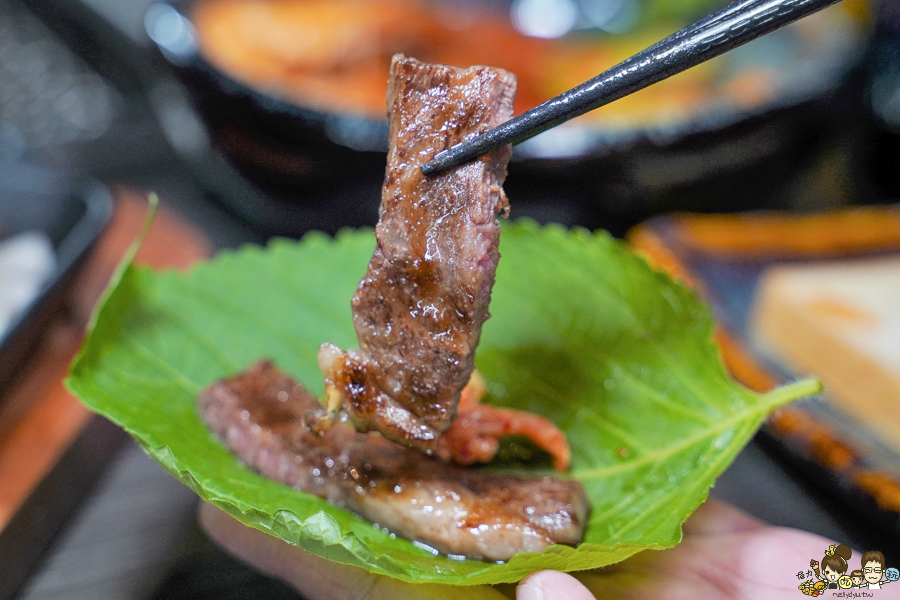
x: 333, y: 55
x: 839, y: 320
x: 291, y: 93
x: 800, y: 294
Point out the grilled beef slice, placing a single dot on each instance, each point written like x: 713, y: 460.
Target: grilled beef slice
x: 259, y: 414
x: 419, y: 309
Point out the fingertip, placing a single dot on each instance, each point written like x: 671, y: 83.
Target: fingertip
x: 552, y: 585
x: 216, y: 523
x: 261, y: 551
x: 278, y: 559
x: 209, y: 517
x: 717, y: 518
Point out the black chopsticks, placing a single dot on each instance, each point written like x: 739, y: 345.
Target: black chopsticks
x: 734, y: 25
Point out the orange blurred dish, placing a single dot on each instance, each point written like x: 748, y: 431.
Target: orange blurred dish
x: 333, y: 55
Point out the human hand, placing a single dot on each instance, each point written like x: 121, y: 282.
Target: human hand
x: 725, y: 554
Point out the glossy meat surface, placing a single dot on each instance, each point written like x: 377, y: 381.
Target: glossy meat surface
x: 419, y: 309
x: 259, y: 414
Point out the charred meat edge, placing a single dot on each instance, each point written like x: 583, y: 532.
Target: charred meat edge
x: 259, y: 415
x: 419, y: 310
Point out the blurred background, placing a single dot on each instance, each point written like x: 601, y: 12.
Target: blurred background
x: 254, y: 119
x: 264, y: 113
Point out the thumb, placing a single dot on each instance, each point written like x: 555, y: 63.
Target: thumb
x: 552, y: 585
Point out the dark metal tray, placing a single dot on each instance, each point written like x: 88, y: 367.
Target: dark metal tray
x: 72, y: 213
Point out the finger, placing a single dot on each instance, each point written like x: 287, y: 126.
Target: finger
x: 276, y: 558
x: 552, y: 585
x: 750, y: 564
x: 318, y: 578
x: 716, y: 518
x: 745, y: 560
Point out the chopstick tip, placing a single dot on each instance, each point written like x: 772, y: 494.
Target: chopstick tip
x: 435, y: 164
